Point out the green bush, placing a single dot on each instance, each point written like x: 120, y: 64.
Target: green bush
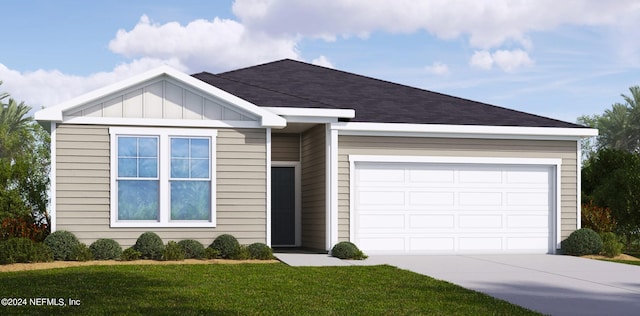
x: 130, y: 254
x: 173, y: 252
x: 193, y: 249
x: 583, y: 241
x: 347, y: 250
x: 105, y: 249
x: 23, y: 250
x: 242, y: 254
x: 81, y: 253
x: 150, y: 246
x: 62, y: 243
x: 260, y: 251
x: 227, y: 245
x: 611, y: 245
x: 210, y: 253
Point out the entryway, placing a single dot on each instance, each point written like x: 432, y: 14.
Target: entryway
x: 285, y: 204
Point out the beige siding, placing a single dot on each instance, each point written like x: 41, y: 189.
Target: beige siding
x: 285, y: 147
x: 83, y: 187
x: 414, y: 146
x: 313, y: 188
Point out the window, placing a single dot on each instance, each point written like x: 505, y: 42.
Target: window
x: 162, y: 177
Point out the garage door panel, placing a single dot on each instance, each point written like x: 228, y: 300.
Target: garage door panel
x: 452, y: 208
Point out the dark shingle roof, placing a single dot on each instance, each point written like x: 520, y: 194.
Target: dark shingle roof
x: 289, y: 83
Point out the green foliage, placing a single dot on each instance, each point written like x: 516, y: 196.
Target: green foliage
x: 150, y: 246
x: 81, y: 253
x: 24, y: 162
x: 227, y: 245
x: 347, y: 250
x: 23, y: 250
x: 583, y: 241
x: 173, y: 252
x: 193, y: 249
x: 210, y: 253
x: 105, y: 249
x: 611, y: 245
x: 242, y: 254
x: 611, y: 179
x: 62, y: 243
x: 600, y: 219
x: 130, y: 254
x: 260, y: 251
x: 24, y: 226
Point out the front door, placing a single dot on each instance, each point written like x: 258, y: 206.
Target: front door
x: 283, y: 206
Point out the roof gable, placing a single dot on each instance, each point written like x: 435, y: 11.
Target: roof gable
x: 160, y: 94
x: 289, y: 83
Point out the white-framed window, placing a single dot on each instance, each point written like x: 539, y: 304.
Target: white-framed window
x: 162, y: 177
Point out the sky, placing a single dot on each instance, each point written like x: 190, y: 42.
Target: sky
x: 559, y: 59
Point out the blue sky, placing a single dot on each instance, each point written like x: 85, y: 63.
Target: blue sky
x: 559, y: 59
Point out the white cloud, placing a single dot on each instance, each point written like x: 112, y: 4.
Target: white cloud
x: 323, y: 61
x: 487, y: 23
x: 438, y: 68
x: 507, y: 60
x: 219, y: 44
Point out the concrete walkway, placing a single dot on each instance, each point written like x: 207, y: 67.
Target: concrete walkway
x: 310, y: 260
x: 550, y: 284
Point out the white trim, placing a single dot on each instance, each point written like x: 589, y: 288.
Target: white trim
x: 52, y: 176
x: 556, y: 163
x: 328, y: 187
x: 298, y: 198
x: 55, y: 113
x: 119, y: 121
x: 268, y: 186
x: 579, y: 186
x: 312, y: 112
x: 461, y: 131
x: 334, y: 187
x: 164, y: 135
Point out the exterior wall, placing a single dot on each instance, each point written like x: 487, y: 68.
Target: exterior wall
x: 313, y: 155
x: 415, y: 146
x: 83, y: 187
x: 285, y: 147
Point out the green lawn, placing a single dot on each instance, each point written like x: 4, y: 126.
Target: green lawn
x: 244, y: 289
x: 635, y: 263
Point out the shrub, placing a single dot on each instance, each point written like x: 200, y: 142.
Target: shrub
x: 173, y: 252
x: 600, y: 219
x: 611, y: 245
x: 105, y: 249
x: 227, y: 245
x: 347, y: 250
x: 583, y: 241
x: 210, y: 253
x: 81, y: 253
x: 130, y: 254
x: 242, y: 254
x: 23, y: 227
x: 62, y: 243
x: 150, y: 246
x: 193, y: 249
x: 260, y: 251
x: 23, y: 250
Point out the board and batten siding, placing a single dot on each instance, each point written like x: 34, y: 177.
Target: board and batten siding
x: 82, y: 187
x: 313, y: 157
x: 417, y: 146
x: 285, y: 147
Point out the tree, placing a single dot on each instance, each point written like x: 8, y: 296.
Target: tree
x: 24, y: 162
x: 619, y: 127
x: 611, y: 179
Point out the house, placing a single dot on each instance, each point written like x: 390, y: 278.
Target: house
x: 292, y: 154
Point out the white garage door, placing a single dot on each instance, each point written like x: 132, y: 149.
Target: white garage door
x: 452, y: 208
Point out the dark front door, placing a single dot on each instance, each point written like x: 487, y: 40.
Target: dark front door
x: 283, y: 206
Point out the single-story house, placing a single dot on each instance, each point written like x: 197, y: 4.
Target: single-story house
x: 292, y: 154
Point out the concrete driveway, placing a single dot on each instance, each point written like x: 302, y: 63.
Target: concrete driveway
x: 550, y: 284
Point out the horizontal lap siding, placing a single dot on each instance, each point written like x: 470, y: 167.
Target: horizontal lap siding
x: 82, y: 187
x: 416, y: 146
x: 313, y: 188
x: 285, y: 147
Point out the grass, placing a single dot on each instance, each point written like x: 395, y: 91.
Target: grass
x: 245, y: 289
